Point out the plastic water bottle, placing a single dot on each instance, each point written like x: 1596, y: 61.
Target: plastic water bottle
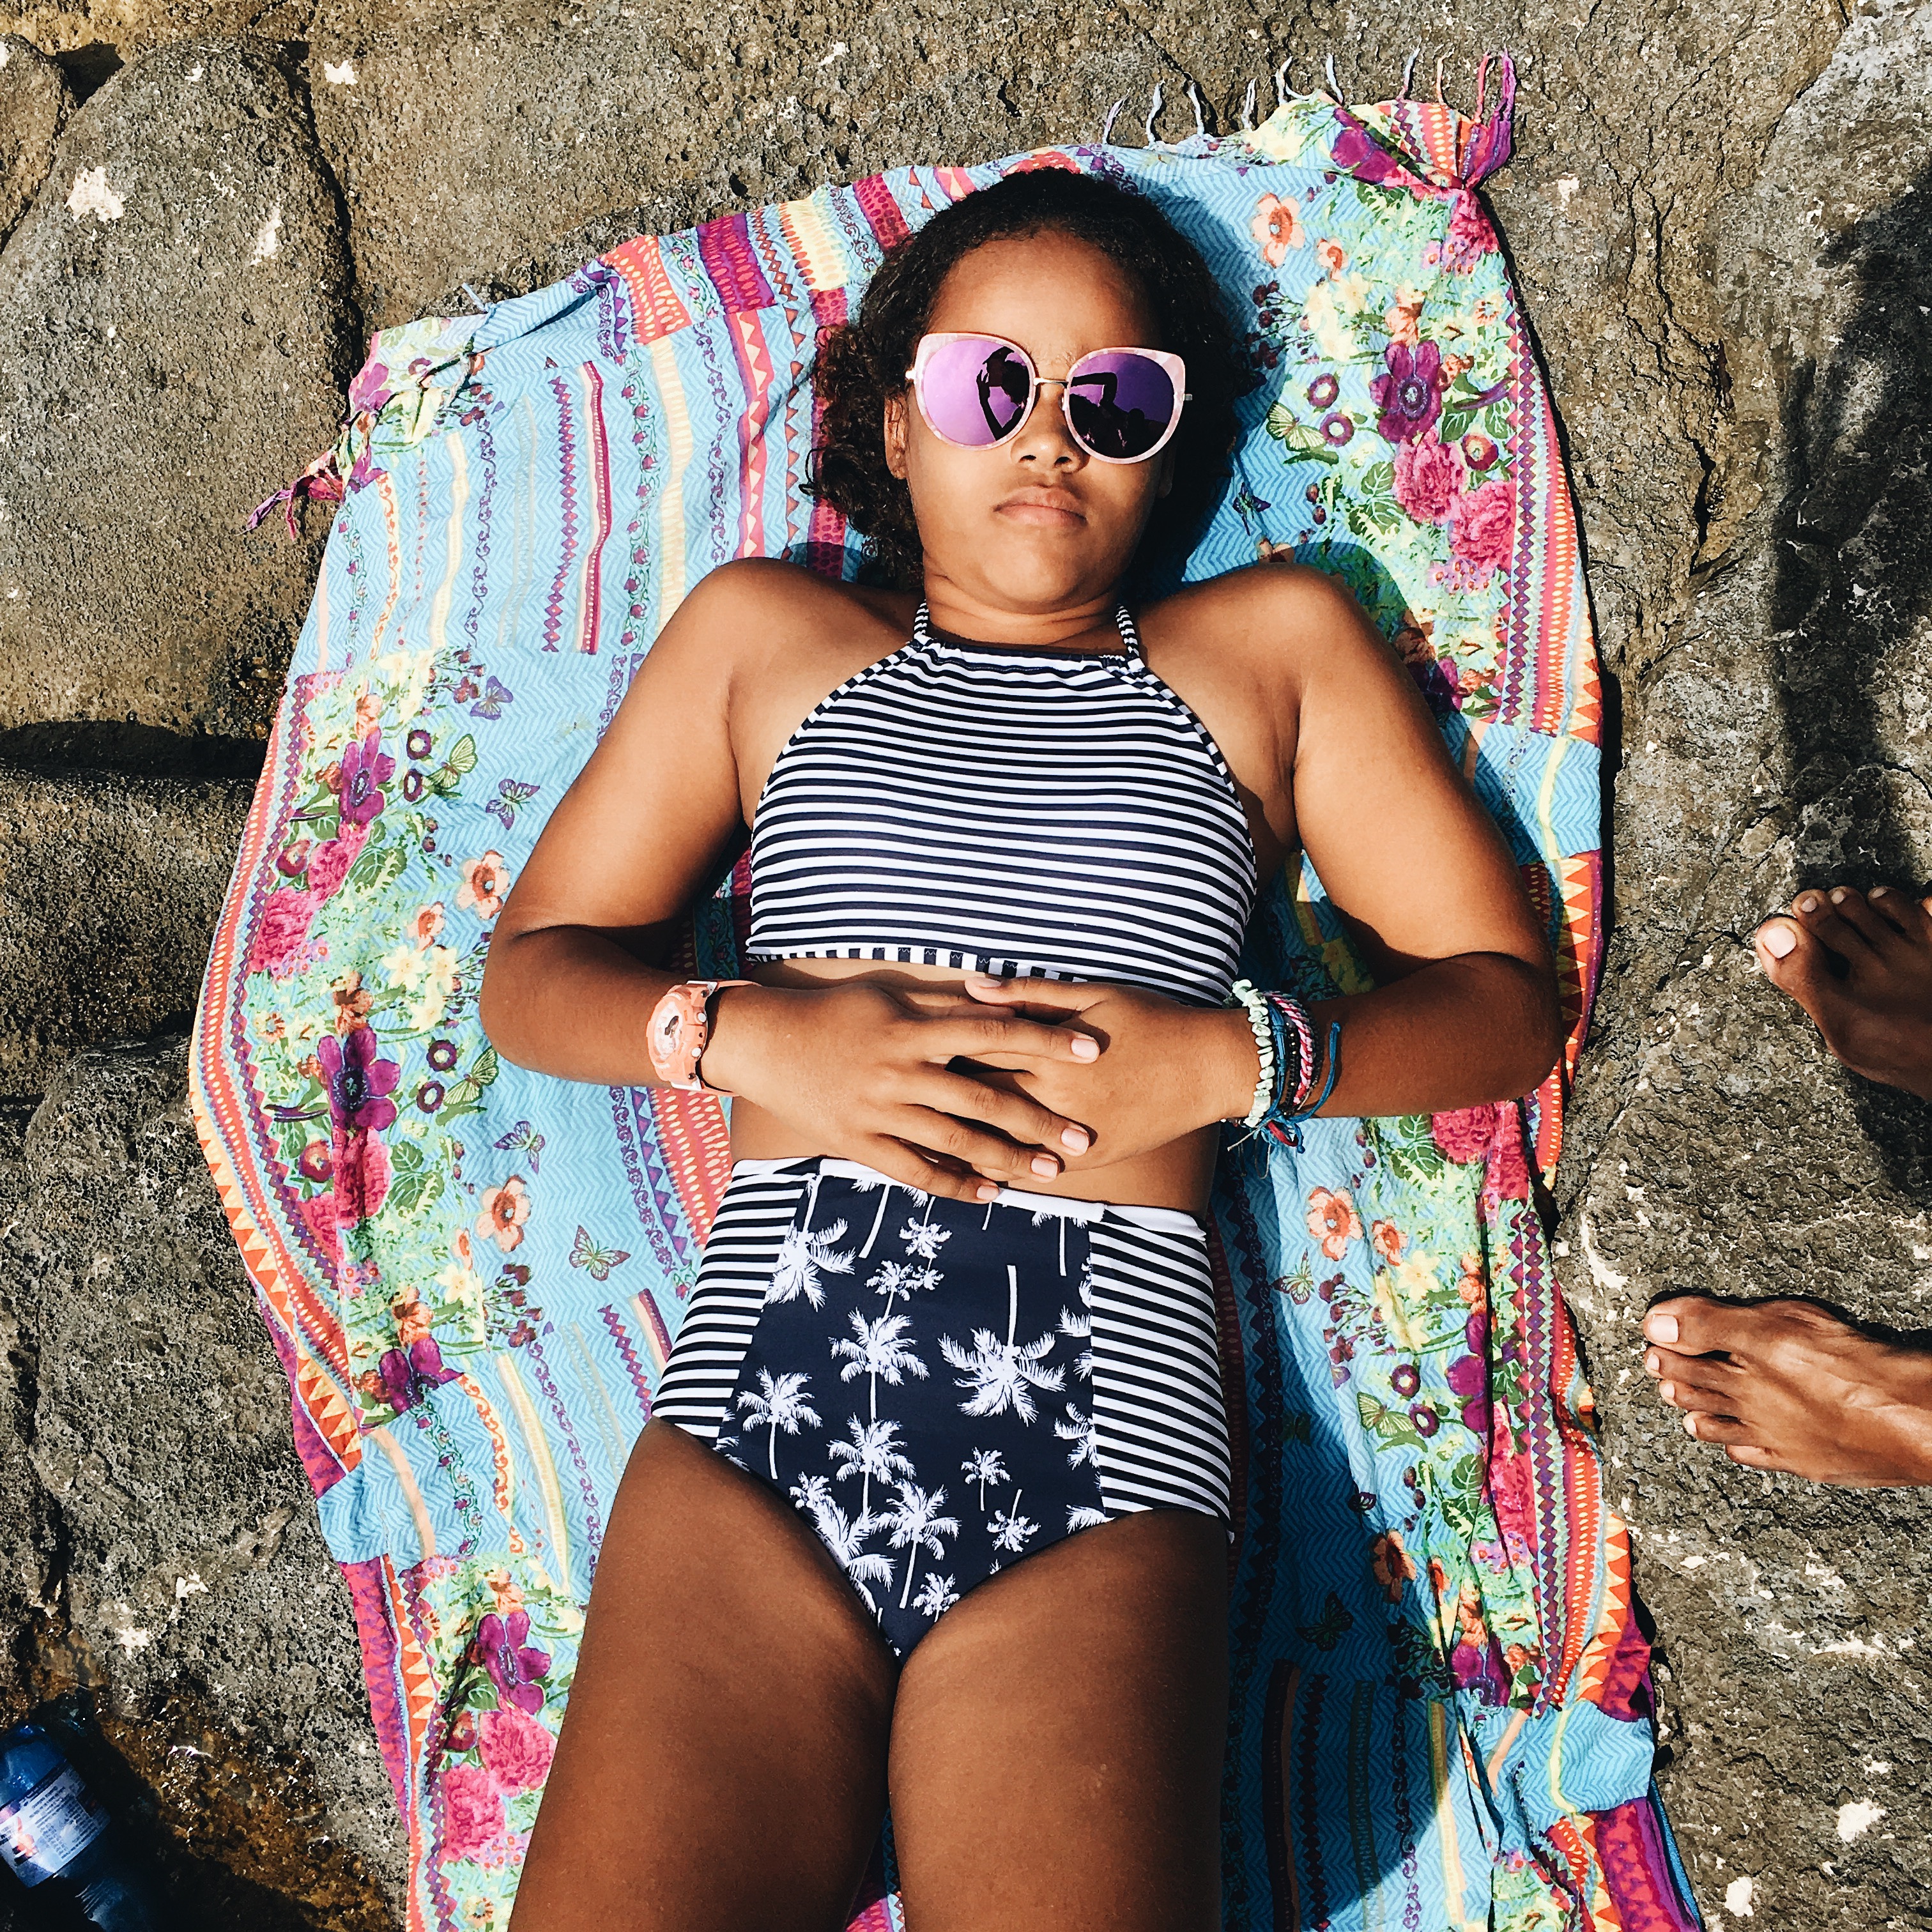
x: 55, y: 1834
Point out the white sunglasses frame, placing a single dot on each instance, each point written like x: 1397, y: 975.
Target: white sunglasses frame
x: 929, y: 345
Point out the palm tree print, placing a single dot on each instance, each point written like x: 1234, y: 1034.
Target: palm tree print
x: 984, y: 1466
x: 878, y: 1183
x: 1078, y: 1518
x: 808, y: 1492
x: 922, y: 1239
x: 1003, y: 1375
x: 900, y: 1278
x: 1039, y: 1221
x: 1080, y: 1328
x: 846, y: 1539
x: 782, y: 1405
x: 936, y: 1596
x: 1009, y: 1530
x: 802, y: 1254
x: 873, y: 1450
x: 879, y: 1352
x: 1081, y: 1431
x: 913, y: 1518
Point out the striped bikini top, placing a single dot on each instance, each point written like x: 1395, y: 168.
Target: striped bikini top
x: 1063, y: 817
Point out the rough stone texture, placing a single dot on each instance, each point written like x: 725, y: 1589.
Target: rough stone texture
x: 174, y: 1574
x: 34, y: 104
x: 1715, y: 213
x: 119, y: 879
x: 174, y: 330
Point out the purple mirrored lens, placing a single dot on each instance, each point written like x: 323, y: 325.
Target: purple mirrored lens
x: 974, y: 392
x: 1120, y: 403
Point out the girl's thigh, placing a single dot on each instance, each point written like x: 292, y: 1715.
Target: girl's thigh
x: 722, y: 1767
x: 1057, y: 1743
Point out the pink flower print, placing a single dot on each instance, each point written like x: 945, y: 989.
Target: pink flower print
x: 324, y: 1222
x: 1402, y: 318
x: 358, y: 1082
x: 315, y: 1163
x: 364, y: 770
x: 363, y: 1173
x: 516, y: 1668
x: 1357, y: 154
x: 1387, y: 1240
x: 1482, y: 527
x: 408, y: 1376
x: 1333, y: 256
x: 1427, y: 479
x: 281, y: 933
x: 505, y: 1209
x: 1470, y: 236
x: 1277, y: 228
x: 427, y: 925
x: 485, y: 881
x: 1479, y: 451
x: 472, y: 1812
x: 516, y: 1749
x: 371, y: 389
x: 1465, y: 1135
x: 291, y: 861
x: 1508, y: 1176
x: 330, y: 864
x: 1409, y: 396
x: 1332, y: 1222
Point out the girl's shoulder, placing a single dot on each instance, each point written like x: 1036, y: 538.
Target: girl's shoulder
x: 786, y: 599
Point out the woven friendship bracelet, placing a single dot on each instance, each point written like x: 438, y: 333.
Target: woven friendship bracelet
x: 1261, y: 1024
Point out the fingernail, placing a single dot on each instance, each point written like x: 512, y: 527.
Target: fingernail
x: 986, y: 1191
x: 1077, y: 1138
x: 1780, y: 941
x: 1652, y: 1363
x: 1660, y: 1327
x: 1668, y: 1391
x: 1084, y: 1046
x: 983, y: 980
x: 1045, y: 1164
x: 1807, y: 903
x: 1838, y: 897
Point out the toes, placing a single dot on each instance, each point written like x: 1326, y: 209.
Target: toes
x: 1718, y: 1429
x: 1903, y: 912
x: 1803, y: 970
x: 1753, y: 1456
x: 1817, y: 914
x: 1696, y: 1399
x: 1694, y: 1325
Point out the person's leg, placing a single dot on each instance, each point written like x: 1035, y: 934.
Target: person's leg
x: 1057, y: 1745
x: 722, y: 1767
x: 1860, y: 965
x: 1788, y: 1385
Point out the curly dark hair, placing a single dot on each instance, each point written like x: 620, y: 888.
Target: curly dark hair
x: 863, y: 361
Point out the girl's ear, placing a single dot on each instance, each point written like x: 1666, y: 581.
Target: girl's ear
x: 1166, y: 481
x: 895, y: 426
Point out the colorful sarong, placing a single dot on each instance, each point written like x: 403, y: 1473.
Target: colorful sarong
x: 472, y: 1274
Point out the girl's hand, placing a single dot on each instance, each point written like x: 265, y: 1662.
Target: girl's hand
x: 1168, y: 1069
x: 862, y: 1070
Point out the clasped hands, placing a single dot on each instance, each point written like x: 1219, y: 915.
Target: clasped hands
x: 1009, y: 1085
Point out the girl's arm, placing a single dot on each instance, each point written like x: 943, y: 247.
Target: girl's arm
x: 576, y: 965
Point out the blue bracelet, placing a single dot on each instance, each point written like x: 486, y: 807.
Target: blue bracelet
x: 1285, y: 1127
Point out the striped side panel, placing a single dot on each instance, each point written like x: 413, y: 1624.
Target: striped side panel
x: 753, y: 1219
x: 656, y: 310
x: 1161, y: 1427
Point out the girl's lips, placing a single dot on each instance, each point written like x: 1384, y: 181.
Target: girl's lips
x: 1054, y: 508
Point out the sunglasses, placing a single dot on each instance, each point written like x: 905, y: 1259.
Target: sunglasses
x: 1121, y: 405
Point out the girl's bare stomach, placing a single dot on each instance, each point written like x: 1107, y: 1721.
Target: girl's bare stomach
x: 1177, y: 1175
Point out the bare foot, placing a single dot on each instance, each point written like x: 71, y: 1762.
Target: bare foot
x: 1788, y: 1385
x: 1861, y: 967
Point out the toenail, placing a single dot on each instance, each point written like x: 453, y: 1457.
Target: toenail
x: 1668, y: 1391
x: 1690, y: 1425
x: 1780, y: 941
x: 1838, y: 897
x: 1652, y: 1363
x: 1661, y: 1327
x: 1807, y: 903
x: 1878, y: 892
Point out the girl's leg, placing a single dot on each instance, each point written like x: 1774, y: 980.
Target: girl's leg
x: 722, y: 1767
x: 1057, y: 1746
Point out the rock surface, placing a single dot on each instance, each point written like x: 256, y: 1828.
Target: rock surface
x: 34, y: 104
x: 174, y: 331
x: 174, y: 1574
x: 1715, y: 214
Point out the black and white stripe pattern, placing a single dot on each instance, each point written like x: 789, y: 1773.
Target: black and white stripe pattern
x: 728, y: 1297
x: 1015, y: 813
x: 1161, y: 1425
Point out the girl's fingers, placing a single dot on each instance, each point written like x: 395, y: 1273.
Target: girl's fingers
x: 1002, y: 1040
x: 912, y: 1167
x: 1017, y: 1116
x: 945, y: 1136
x: 1046, y: 996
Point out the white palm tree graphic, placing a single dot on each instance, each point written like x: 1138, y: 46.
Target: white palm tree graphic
x: 846, y: 1538
x: 913, y: 1516
x: 936, y: 1595
x: 1080, y: 1328
x: 984, y: 1466
x: 1078, y: 1518
x: 874, y: 1184
x: 801, y: 1255
x: 1039, y: 1221
x: 782, y: 1405
x: 999, y: 1374
x: 1009, y: 1530
x: 922, y: 1239
x: 808, y: 1492
x: 895, y: 1279
x: 1081, y: 1431
x: 873, y: 1450
x: 880, y: 1351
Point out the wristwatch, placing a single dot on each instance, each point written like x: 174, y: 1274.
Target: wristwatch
x: 680, y: 1031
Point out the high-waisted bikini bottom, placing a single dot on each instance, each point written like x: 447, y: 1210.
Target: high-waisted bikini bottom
x: 942, y: 1386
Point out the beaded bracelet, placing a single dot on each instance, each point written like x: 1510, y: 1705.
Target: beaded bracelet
x: 1261, y: 1024
x: 1294, y: 1050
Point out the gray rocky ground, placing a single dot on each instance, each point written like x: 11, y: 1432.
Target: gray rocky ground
x: 1718, y: 215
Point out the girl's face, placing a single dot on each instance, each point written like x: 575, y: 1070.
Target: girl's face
x: 1035, y: 525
